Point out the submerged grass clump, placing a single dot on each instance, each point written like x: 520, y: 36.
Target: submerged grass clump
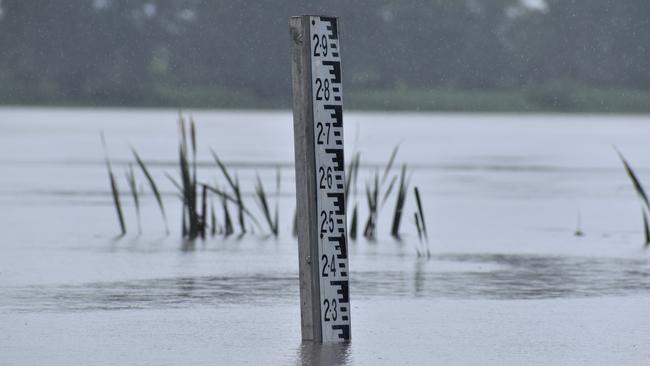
x: 188, y: 180
x: 372, y: 194
x: 199, y: 217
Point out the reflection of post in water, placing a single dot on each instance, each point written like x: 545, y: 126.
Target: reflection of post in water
x: 187, y: 246
x: 315, y: 353
x: 418, y: 283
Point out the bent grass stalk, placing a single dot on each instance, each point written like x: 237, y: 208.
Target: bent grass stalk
x: 227, y: 225
x: 353, y: 223
x: 153, y: 186
x: 399, y: 204
x: 189, y: 194
x: 635, y: 181
x: 219, y: 192
x: 372, y: 194
x: 388, y: 190
x: 641, y: 194
x: 213, y: 220
x: 391, y: 160
x: 177, y: 185
x: 114, y: 189
x: 234, y: 185
x: 240, y: 205
x: 264, y: 205
x: 419, y: 229
x: 204, y: 211
x: 130, y: 178
x: 418, y: 201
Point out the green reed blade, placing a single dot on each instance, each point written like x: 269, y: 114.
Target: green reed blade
x: 388, y: 190
x: 240, y: 205
x: 263, y: 201
x: 399, y: 203
x: 189, y: 195
x: 234, y: 185
x: 204, y: 212
x: 114, y: 188
x: 228, y: 229
x: 635, y: 181
x: 391, y: 160
x: 419, y: 229
x: 224, y: 170
x: 130, y: 178
x: 116, y: 201
x: 213, y: 219
x: 417, y: 225
x: 646, y: 230
x: 353, y: 223
x: 184, y: 222
x: 220, y: 193
x: 175, y: 183
x: 418, y: 201
x: 153, y: 186
x: 193, y: 136
x: 182, y: 133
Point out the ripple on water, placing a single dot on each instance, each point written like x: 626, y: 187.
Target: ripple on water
x: 483, y: 276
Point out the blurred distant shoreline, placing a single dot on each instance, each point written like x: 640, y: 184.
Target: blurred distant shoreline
x: 546, y: 99
x: 540, y: 56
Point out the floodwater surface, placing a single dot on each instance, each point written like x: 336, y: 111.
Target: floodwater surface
x: 506, y: 282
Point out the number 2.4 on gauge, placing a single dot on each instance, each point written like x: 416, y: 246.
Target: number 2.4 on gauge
x: 329, y: 267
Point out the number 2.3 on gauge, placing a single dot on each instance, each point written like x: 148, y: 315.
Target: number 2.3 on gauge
x: 331, y: 313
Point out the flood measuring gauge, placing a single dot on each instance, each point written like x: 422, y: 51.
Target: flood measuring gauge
x: 320, y: 178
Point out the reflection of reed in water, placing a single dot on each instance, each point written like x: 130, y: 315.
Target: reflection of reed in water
x: 419, y: 277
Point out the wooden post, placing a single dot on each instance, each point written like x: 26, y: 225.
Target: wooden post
x: 320, y: 179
